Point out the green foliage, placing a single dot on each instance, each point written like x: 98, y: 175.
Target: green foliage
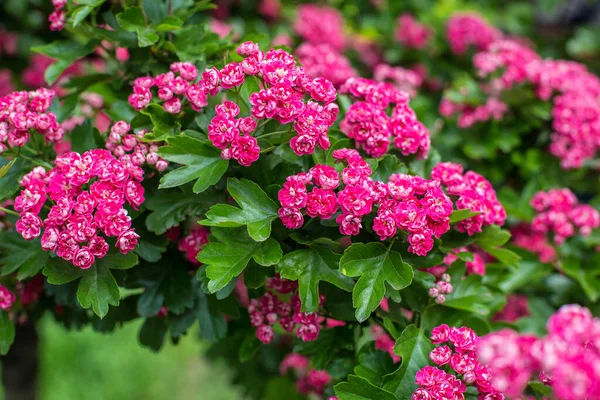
x: 375, y: 265
x: 257, y: 211
x: 230, y: 251
x: 309, y: 267
x: 202, y: 161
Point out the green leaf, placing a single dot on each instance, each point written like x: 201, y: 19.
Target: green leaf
x: 373, y: 365
x: 133, y: 20
x: 213, y: 326
x: 202, y: 161
x: 116, y: 260
x: 375, y: 265
x: 249, y: 348
x: 309, y: 267
x: 156, y: 10
x: 170, y: 23
x: 491, y: 238
x: 18, y: 254
x: 461, y: 215
x: 227, y: 259
x: 4, y: 169
x: 66, y: 53
x: 414, y: 348
x: 82, y: 137
x: 172, y: 207
x: 9, y: 183
x: 152, y: 334
x: 7, y: 332
x: 471, y: 295
x: 164, y: 124
x: 358, y: 388
x: 98, y: 289
x: 257, y: 210
x: 586, y: 277
x: 80, y: 13
x: 59, y: 271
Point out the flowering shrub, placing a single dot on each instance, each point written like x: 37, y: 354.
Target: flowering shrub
x: 373, y: 203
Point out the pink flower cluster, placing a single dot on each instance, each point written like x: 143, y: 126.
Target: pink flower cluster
x: 576, y: 110
x: 456, y: 352
x: 474, y: 193
x: 174, y: 88
x: 284, y: 86
x: 24, y: 112
x: 533, y: 241
x: 308, y: 380
x: 7, y: 298
x: 320, y: 24
x: 511, y: 56
x: 411, y: 33
x: 87, y: 192
x: 441, y: 289
x: 470, y: 115
x: 407, y: 80
x: 130, y: 148
x: 272, y: 308
x: 384, y: 342
x: 193, y: 243
x: 58, y: 17
x: 399, y: 206
x: 367, y: 122
x: 469, y: 29
x: 559, y: 213
x: 322, y: 60
x: 566, y: 359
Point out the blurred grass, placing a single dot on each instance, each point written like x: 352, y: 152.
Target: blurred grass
x: 76, y: 365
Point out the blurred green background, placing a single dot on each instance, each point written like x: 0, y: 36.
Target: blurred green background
x: 77, y: 365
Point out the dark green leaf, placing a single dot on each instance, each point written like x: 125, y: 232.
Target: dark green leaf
x: 18, y: 254
x: 414, y: 348
x: 98, y: 289
x: 227, y: 259
x: 9, y: 183
x: 60, y: 271
x: 152, y: 334
x: 7, y: 332
x: 213, y: 326
x: 173, y: 207
x: 375, y: 265
x: 309, y: 267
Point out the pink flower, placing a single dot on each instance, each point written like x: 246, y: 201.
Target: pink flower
x: 232, y: 75
x: 29, y: 226
x: 441, y: 355
x: 265, y: 334
x: 83, y: 258
x: 291, y: 218
x: 322, y: 203
x: 127, y: 241
x: 7, y: 298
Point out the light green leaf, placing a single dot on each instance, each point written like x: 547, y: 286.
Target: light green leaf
x: 4, y: 169
x: 309, y: 267
x: 461, y: 215
x: 202, y: 161
x: 490, y: 240
x: 414, y: 348
x: 586, y: 277
x: 228, y: 253
x: 164, y: 124
x: 257, y: 210
x: 66, y: 53
x: 375, y: 265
